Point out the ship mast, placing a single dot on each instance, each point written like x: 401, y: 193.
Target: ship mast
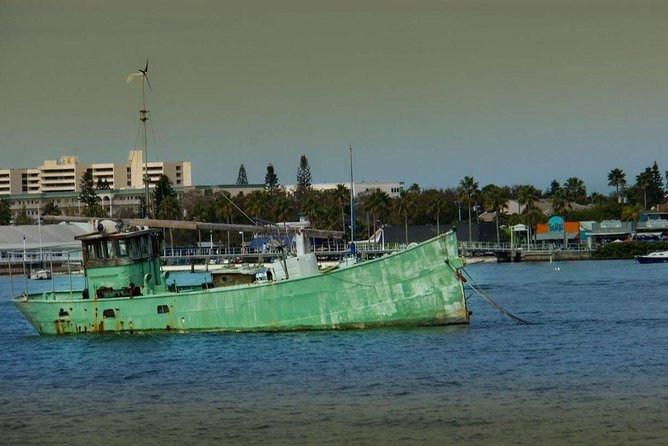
x: 143, y: 117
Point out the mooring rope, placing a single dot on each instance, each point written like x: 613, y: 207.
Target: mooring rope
x: 476, y: 287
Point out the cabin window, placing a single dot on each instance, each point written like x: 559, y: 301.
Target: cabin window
x: 145, y: 249
x: 109, y: 248
x: 134, y: 248
x: 163, y: 309
x: 108, y: 313
x: 101, y: 251
x: 90, y: 251
x: 122, y: 250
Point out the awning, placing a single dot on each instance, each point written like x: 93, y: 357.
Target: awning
x: 602, y: 233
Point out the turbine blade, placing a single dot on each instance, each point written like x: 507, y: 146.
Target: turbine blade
x: 148, y: 82
x: 132, y: 76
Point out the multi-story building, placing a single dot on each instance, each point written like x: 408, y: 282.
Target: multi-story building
x: 64, y: 175
x: 179, y: 173
x: 60, y: 175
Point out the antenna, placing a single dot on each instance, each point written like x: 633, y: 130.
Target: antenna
x: 143, y: 117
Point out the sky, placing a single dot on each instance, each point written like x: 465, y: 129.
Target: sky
x: 506, y: 91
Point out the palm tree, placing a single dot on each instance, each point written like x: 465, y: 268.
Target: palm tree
x: 256, y: 204
x: 644, y: 181
x: 468, y: 188
x: 283, y: 207
x: 434, y: 206
x: 312, y: 208
x: 377, y: 204
x: 169, y: 209
x: 528, y: 195
x: 225, y: 209
x: 405, y: 204
x: 576, y: 190
x: 560, y: 203
x: 342, y: 198
x: 631, y: 213
x: 617, y: 179
x: 495, y: 199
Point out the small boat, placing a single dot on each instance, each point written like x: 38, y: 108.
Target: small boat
x: 653, y: 257
x: 126, y: 291
x: 40, y: 274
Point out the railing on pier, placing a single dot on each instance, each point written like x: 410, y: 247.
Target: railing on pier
x: 492, y: 248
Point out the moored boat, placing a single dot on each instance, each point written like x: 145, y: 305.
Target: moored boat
x: 126, y: 291
x: 40, y: 274
x: 653, y: 257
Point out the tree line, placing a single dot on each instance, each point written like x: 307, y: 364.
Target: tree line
x: 330, y: 209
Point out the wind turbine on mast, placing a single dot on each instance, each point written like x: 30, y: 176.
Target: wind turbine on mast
x: 143, y: 117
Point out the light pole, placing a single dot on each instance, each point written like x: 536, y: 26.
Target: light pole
x: 242, y: 241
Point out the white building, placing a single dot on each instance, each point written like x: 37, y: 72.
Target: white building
x: 64, y: 175
x: 391, y: 188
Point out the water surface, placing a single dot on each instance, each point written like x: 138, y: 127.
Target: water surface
x: 592, y: 369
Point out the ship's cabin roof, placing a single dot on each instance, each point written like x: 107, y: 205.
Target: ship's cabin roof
x: 117, y: 248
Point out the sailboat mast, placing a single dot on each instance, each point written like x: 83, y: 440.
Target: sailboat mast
x: 39, y: 230
x: 352, y: 203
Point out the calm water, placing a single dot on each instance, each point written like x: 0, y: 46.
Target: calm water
x: 592, y: 370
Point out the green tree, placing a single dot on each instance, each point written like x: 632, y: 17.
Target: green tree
x: 163, y: 189
x: 644, y: 182
x: 102, y: 184
x: 435, y: 204
x: 242, y: 179
x: 256, y: 204
x: 527, y: 195
x: 405, y: 205
x: 554, y: 188
x: 617, y: 179
x: 576, y: 190
x: 5, y: 212
x: 169, y: 209
x: 341, y: 197
x: 87, y: 194
x: 303, y: 179
x: 495, y: 199
x: 50, y: 208
x: 88, y: 197
x: 377, y: 204
x: 631, y: 213
x: 468, y: 188
x: 560, y: 203
x: 283, y: 207
x: 271, y: 180
x: 22, y: 217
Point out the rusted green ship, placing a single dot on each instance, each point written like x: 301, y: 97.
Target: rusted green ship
x: 126, y: 291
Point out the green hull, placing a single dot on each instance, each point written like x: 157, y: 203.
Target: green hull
x: 417, y: 286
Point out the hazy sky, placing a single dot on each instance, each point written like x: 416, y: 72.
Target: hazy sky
x: 509, y: 92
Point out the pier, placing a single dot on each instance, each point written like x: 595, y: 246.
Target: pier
x: 526, y: 253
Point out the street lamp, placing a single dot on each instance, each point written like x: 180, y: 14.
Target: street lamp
x: 242, y: 241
